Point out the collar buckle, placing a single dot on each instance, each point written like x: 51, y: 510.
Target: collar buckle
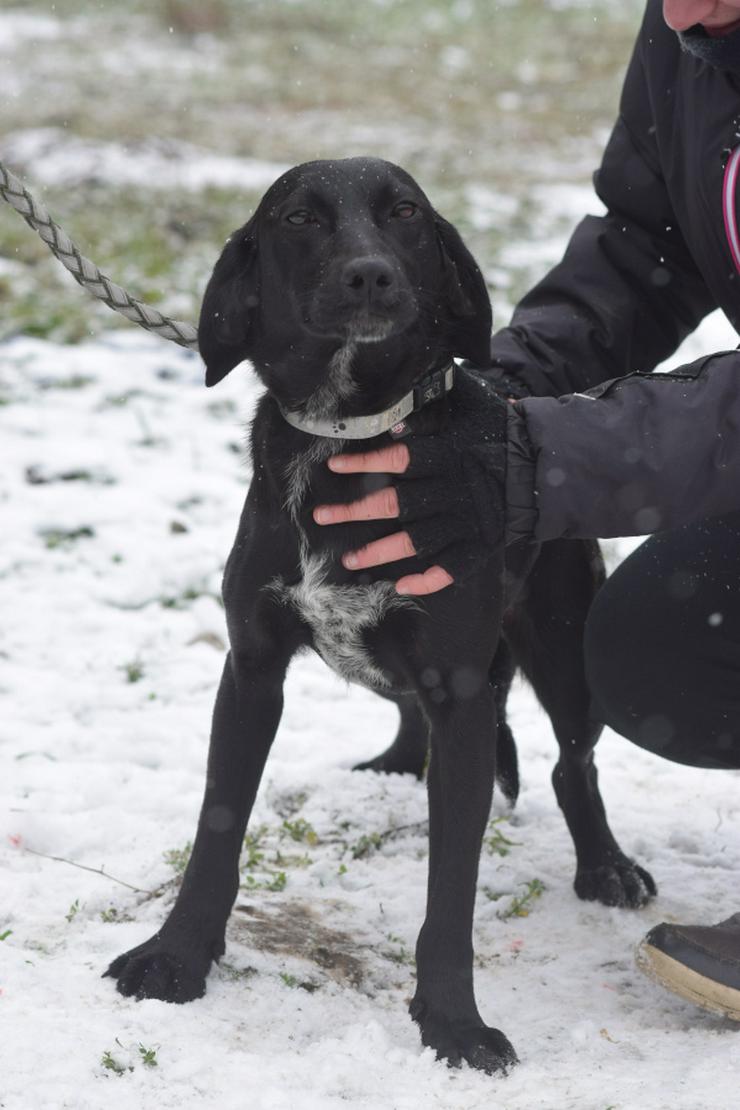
x: 433, y: 387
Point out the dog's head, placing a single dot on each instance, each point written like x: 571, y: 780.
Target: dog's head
x: 338, y: 256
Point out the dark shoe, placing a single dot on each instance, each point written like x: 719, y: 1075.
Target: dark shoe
x: 698, y: 962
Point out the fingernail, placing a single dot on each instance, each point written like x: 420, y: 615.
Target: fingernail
x: 350, y: 561
x: 337, y: 463
x: 322, y: 516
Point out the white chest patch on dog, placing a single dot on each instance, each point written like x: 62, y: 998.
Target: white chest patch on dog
x: 339, y: 615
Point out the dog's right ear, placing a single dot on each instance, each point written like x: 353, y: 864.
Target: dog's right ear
x: 468, y: 299
x: 229, y: 303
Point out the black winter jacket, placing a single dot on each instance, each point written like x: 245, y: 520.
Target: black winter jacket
x: 642, y: 452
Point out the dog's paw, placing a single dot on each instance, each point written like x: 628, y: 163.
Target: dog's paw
x: 394, y: 761
x: 161, y: 969
x: 464, y: 1042
x: 619, y: 883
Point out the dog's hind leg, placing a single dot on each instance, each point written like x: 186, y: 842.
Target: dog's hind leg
x: 545, y: 631
x: 173, y: 964
x: 409, y: 751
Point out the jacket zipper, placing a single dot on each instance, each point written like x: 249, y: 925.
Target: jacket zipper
x: 729, y: 208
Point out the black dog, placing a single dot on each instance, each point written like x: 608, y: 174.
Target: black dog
x: 346, y: 290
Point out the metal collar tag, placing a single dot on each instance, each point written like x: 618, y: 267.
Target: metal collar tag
x: 430, y: 388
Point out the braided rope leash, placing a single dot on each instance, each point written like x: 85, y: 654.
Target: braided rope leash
x: 86, y: 272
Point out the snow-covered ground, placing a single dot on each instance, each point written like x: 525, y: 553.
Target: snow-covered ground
x: 120, y: 487
x: 51, y: 155
x: 121, y: 480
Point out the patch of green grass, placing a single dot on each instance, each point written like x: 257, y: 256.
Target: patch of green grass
x: 7, y: 933
x: 109, y: 1061
x: 148, y: 1056
x: 65, y: 537
x: 495, y: 841
x: 295, y: 983
x: 72, y: 912
x: 264, y: 861
x: 521, y: 905
x: 37, y: 476
x: 253, y: 847
x: 367, y: 844
x: 74, y: 381
x: 232, y: 972
x: 399, y: 954
x: 292, y: 859
x: 183, y: 599
x: 177, y: 858
x: 134, y: 670
x: 273, y: 879
x: 276, y: 882
x: 301, y: 831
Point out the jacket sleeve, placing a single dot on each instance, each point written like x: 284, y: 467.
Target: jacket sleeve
x: 626, y: 292
x: 636, y: 455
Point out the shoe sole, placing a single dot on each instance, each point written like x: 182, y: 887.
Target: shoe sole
x: 680, y: 979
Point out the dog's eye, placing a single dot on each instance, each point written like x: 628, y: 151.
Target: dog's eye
x: 301, y: 216
x: 404, y: 210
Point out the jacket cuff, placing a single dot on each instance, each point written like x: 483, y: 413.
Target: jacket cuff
x: 506, y: 384
x: 521, y: 467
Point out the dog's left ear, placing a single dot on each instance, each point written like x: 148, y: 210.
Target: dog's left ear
x: 229, y: 303
x: 469, y: 302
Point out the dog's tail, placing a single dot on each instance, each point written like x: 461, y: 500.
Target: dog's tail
x: 507, y: 763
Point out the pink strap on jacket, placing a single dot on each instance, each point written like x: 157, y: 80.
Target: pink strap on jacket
x: 729, y: 207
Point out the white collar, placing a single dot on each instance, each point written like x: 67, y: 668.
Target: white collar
x: 430, y: 388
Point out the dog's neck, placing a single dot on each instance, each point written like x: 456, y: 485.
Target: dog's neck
x: 319, y: 418
x: 339, y: 386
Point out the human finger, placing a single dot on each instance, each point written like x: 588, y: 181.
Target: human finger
x: 380, y: 505
x: 430, y: 582
x: 386, y: 460
x: 387, y: 550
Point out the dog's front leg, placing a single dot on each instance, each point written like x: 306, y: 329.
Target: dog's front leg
x: 460, y: 784
x: 173, y: 964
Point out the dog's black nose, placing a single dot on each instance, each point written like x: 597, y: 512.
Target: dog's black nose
x: 368, y: 277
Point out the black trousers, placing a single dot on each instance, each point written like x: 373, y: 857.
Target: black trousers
x: 663, y: 645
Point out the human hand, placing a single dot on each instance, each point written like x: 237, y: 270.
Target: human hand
x: 381, y: 505
x: 449, y: 495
